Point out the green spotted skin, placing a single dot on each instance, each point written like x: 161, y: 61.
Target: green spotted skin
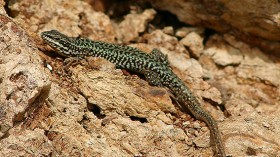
x: 154, y: 66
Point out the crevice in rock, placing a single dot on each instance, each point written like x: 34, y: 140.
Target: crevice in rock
x: 142, y: 120
x: 95, y: 109
x: 251, y: 151
x: 208, y: 33
x: 84, y: 122
x: 165, y: 18
x: 5, y: 135
x: 213, y: 103
x: 191, y: 53
x: 8, y: 10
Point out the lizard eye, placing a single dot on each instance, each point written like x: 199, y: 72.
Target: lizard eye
x: 56, y: 37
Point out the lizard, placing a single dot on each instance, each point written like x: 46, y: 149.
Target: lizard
x: 154, y: 66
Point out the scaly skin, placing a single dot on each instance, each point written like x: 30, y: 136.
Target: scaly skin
x: 154, y: 66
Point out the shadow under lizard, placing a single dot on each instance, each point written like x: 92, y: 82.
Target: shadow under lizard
x: 154, y: 66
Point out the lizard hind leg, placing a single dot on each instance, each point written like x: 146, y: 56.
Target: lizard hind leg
x: 152, y: 78
x: 159, y: 56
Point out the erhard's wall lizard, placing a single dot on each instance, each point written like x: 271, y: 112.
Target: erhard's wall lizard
x: 154, y: 66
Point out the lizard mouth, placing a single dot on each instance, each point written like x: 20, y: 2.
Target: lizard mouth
x: 49, y: 41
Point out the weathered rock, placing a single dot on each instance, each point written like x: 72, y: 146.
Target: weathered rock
x: 224, y: 54
x: 133, y: 24
x: 183, y: 31
x: 73, y: 126
x: 2, y: 10
x: 194, y: 42
x: 253, y: 81
x: 110, y: 92
x: 168, y: 30
x: 24, y: 142
x: 249, y: 137
x: 72, y: 17
x: 93, y: 109
x: 22, y: 80
x: 252, y: 21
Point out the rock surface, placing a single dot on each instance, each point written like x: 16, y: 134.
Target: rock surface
x: 255, y: 21
x: 23, y: 78
x: 90, y: 108
x: 134, y: 24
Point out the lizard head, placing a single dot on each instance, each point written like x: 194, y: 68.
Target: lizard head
x: 58, y: 41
